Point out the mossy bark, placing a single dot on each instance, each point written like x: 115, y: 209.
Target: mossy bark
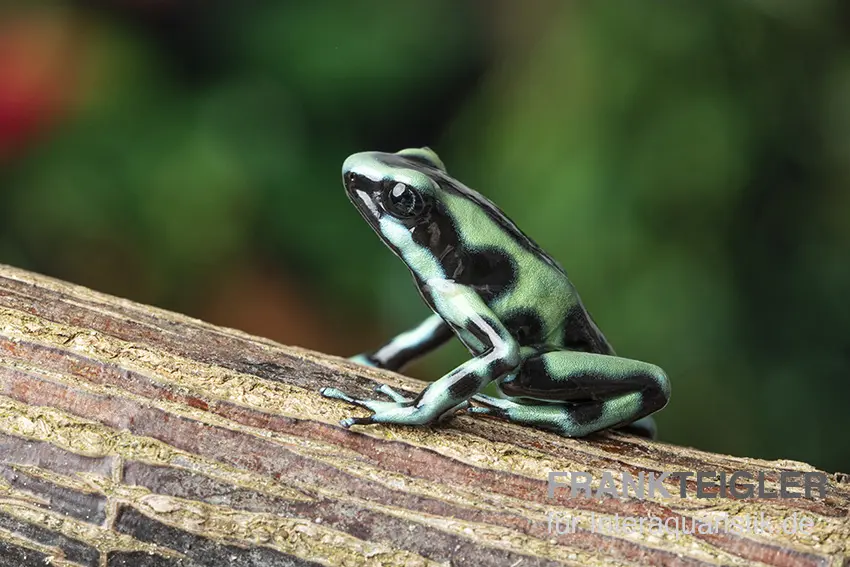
x: 133, y: 436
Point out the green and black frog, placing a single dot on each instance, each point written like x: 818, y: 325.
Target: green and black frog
x: 509, y: 303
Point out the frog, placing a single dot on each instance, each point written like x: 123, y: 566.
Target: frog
x: 508, y: 302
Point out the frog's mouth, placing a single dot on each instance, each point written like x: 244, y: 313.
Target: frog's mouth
x: 363, y: 194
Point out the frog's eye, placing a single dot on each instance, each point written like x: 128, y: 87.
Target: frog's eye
x: 403, y: 201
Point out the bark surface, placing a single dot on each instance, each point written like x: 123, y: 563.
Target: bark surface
x: 131, y: 436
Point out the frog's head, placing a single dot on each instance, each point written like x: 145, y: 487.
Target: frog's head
x: 398, y: 187
x: 434, y: 223
x: 403, y: 198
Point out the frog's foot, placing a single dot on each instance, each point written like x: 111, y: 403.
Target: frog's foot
x: 399, y: 411
x: 374, y: 405
x: 497, y: 407
x: 554, y: 417
x: 377, y: 407
x: 395, y: 396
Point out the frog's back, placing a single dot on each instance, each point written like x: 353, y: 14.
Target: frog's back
x: 544, y: 308
x: 537, y: 302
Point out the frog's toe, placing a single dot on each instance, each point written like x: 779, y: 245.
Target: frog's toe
x: 336, y: 394
x: 349, y: 421
x: 461, y: 407
x: 375, y: 406
x: 487, y: 410
x: 392, y: 394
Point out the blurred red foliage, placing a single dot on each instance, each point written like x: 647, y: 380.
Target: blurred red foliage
x: 41, y: 54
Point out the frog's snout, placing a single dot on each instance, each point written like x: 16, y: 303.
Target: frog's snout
x: 361, y: 192
x: 354, y: 182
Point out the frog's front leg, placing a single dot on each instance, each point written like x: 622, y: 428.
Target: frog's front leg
x: 496, y: 355
x: 403, y: 348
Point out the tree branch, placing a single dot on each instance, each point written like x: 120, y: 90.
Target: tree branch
x: 134, y: 436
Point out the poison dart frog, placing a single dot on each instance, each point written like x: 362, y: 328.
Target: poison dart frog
x: 510, y: 304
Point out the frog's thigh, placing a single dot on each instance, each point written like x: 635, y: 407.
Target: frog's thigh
x: 581, y: 392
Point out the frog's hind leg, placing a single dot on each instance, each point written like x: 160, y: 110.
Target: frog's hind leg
x: 578, y: 393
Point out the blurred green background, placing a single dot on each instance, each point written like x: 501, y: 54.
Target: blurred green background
x: 687, y: 162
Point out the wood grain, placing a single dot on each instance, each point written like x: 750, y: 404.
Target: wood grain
x: 131, y: 436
